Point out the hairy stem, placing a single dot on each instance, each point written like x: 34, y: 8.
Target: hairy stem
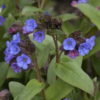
x: 56, y: 47
x: 39, y: 77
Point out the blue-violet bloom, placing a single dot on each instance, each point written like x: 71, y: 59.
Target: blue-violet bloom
x: 29, y: 26
x: 69, y: 44
x: 12, y: 48
x: 23, y: 61
x: 3, y: 6
x: 2, y: 20
x: 8, y: 58
x: 84, y: 49
x: 91, y: 41
x: 82, y: 1
x: 16, y: 38
x: 15, y: 67
x: 39, y: 36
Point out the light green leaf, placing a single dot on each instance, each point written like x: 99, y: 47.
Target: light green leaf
x: 72, y: 74
x: 51, y: 76
x: 58, y: 90
x: 91, y: 12
x: 95, y: 3
x: 68, y: 28
x: 16, y: 88
x: 45, y: 48
x: 32, y: 88
x: 66, y: 17
x: 30, y: 10
x: 3, y: 72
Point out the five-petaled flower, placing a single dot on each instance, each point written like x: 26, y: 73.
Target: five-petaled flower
x: 39, y: 36
x: 23, y: 61
x: 69, y: 44
x: 29, y: 26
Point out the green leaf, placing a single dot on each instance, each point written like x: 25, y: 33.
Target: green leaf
x: 95, y: 3
x: 45, y: 48
x: 58, y: 90
x: 12, y: 74
x: 71, y: 73
x: 68, y: 28
x: 27, y: 11
x: 32, y: 88
x: 86, y: 9
x: 51, y: 76
x: 66, y: 17
x: 16, y: 88
x: 96, y: 64
x: 95, y: 49
x: 3, y: 72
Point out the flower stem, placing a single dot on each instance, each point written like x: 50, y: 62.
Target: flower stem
x: 56, y: 47
x: 41, y: 3
x: 39, y: 77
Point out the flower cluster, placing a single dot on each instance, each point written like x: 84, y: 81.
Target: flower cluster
x: 30, y: 26
x: 14, y: 55
x: 73, y: 48
x: 18, y: 50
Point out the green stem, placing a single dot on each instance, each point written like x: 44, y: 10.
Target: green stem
x: 41, y: 3
x: 56, y: 47
x: 39, y: 77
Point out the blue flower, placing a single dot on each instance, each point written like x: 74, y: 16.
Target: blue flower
x: 73, y: 54
x: 15, y: 67
x: 31, y: 22
x: 23, y: 61
x: 30, y: 25
x: 8, y: 58
x: 69, y: 44
x: 39, y: 36
x: 91, y: 41
x: 27, y: 29
x: 12, y: 48
x: 82, y: 1
x: 16, y: 38
x: 84, y: 49
x: 3, y: 6
x: 2, y: 20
